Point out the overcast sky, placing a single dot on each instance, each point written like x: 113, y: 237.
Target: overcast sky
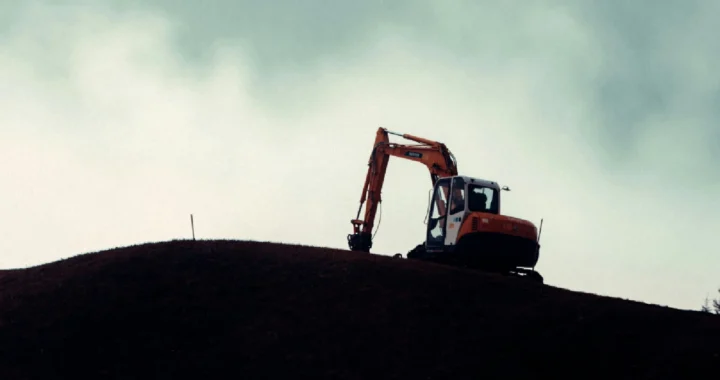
x: 121, y: 118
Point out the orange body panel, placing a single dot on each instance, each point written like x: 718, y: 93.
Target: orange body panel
x: 483, y: 222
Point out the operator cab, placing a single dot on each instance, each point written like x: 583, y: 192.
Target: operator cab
x: 453, y: 198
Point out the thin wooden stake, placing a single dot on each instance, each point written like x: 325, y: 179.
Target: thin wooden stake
x: 192, y: 226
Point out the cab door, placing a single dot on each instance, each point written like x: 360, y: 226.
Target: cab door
x: 437, y: 218
x: 456, y: 211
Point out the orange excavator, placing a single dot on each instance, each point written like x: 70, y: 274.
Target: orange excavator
x: 465, y: 227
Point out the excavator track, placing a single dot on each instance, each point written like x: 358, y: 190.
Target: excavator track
x: 458, y: 259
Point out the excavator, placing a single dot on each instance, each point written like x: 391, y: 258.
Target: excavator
x: 465, y: 227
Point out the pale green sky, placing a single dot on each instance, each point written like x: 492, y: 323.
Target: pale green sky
x: 120, y: 118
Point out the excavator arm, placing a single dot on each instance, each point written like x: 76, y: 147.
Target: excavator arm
x: 434, y: 155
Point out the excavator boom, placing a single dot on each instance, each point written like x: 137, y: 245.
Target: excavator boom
x: 434, y: 155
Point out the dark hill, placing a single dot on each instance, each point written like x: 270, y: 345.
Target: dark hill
x: 224, y: 309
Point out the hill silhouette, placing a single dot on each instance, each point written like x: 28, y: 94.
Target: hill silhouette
x: 231, y: 309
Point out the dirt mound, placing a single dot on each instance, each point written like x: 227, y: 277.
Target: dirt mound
x: 225, y: 309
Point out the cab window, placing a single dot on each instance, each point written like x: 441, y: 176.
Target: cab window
x: 482, y: 199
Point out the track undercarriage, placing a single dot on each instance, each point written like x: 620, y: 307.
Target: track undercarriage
x: 476, y: 259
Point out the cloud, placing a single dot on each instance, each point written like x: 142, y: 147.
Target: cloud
x: 113, y: 135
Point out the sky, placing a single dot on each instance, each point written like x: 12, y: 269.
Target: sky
x: 119, y: 119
